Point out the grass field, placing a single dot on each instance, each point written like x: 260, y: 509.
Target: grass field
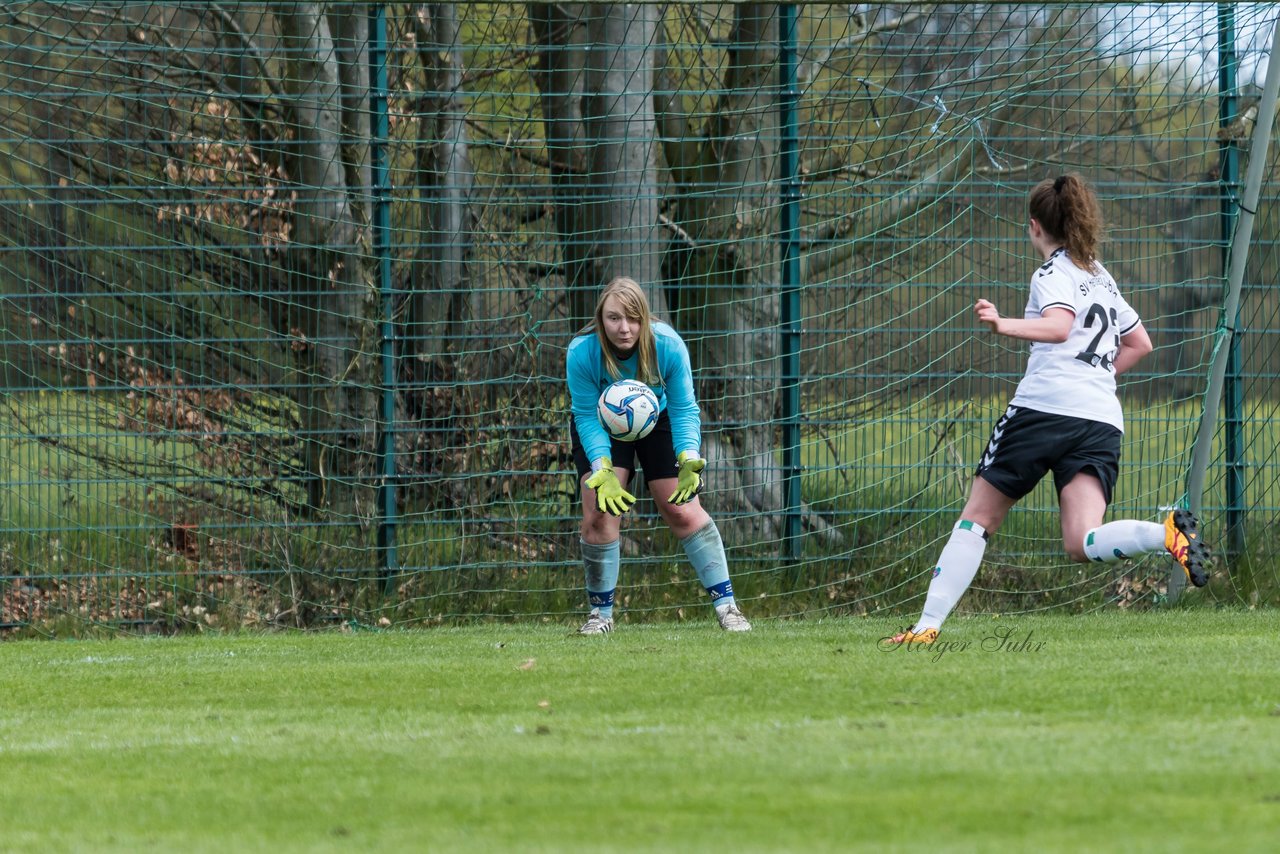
x: 1113, y: 731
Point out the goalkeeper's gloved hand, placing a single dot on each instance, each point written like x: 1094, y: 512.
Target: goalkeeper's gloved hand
x: 611, y: 498
x: 689, y: 478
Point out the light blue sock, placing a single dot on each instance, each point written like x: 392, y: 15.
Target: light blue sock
x: 706, y: 552
x: 601, y: 563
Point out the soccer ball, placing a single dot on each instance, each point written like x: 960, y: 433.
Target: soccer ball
x: 628, y: 409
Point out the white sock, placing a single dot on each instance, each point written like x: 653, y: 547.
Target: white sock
x: 957, y: 565
x: 1123, y: 539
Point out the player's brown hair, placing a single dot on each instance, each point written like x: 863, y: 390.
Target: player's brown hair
x: 1068, y: 210
x: 636, y: 306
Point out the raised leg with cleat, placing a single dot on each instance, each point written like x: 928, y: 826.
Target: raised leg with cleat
x: 1182, y: 539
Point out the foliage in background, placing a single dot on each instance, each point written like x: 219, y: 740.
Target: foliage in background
x: 190, y: 303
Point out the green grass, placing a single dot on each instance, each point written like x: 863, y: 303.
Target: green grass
x: 1118, y: 732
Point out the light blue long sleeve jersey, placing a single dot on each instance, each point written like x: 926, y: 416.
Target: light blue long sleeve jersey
x: 588, y: 377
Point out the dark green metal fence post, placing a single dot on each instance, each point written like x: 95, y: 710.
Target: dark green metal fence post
x: 381, y: 211
x: 1241, y: 240
x: 1233, y: 390
x: 789, y: 155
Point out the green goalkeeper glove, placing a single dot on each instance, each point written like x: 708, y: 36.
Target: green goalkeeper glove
x: 611, y: 498
x: 688, y: 479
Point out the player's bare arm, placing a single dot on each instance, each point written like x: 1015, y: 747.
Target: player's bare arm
x: 1052, y: 328
x: 1134, y: 346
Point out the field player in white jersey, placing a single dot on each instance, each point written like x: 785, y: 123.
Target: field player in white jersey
x: 1065, y: 416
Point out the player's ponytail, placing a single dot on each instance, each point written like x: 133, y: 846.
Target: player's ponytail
x: 1067, y: 209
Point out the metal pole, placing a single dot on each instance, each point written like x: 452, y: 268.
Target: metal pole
x: 1233, y: 421
x: 388, y: 561
x: 789, y: 154
x: 1240, y: 242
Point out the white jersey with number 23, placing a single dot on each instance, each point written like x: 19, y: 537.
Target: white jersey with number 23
x: 1076, y: 377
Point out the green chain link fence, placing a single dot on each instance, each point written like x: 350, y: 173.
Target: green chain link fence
x: 286, y: 290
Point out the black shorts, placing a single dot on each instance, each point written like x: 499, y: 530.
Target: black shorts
x: 1025, y: 444
x: 657, y: 457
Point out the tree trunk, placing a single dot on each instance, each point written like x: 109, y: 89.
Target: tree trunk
x: 560, y: 75
x: 597, y: 86
x: 1195, y: 261
x: 444, y: 178
x: 336, y: 402
x: 622, y: 213
x: 52, y: 247
x: 728, y: 283
x: 442, y: 294
x: 350, y: 26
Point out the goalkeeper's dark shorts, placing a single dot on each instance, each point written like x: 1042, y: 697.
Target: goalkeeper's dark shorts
x: 656, y: 455
x: 1026, y: 445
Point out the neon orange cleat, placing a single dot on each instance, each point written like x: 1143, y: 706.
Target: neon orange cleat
x: 1182, y: 539
x: 925, y: 636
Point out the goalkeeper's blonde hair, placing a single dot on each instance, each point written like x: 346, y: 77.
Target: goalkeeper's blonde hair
x: 636, y: 307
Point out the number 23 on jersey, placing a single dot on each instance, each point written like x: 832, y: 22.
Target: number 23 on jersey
x: 1106, y: 322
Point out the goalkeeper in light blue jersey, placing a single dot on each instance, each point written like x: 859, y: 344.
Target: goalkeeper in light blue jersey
x: 624, y: 342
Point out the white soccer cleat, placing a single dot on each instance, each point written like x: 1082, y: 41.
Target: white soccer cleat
x: 731, y: 619
x: 596, y: 624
